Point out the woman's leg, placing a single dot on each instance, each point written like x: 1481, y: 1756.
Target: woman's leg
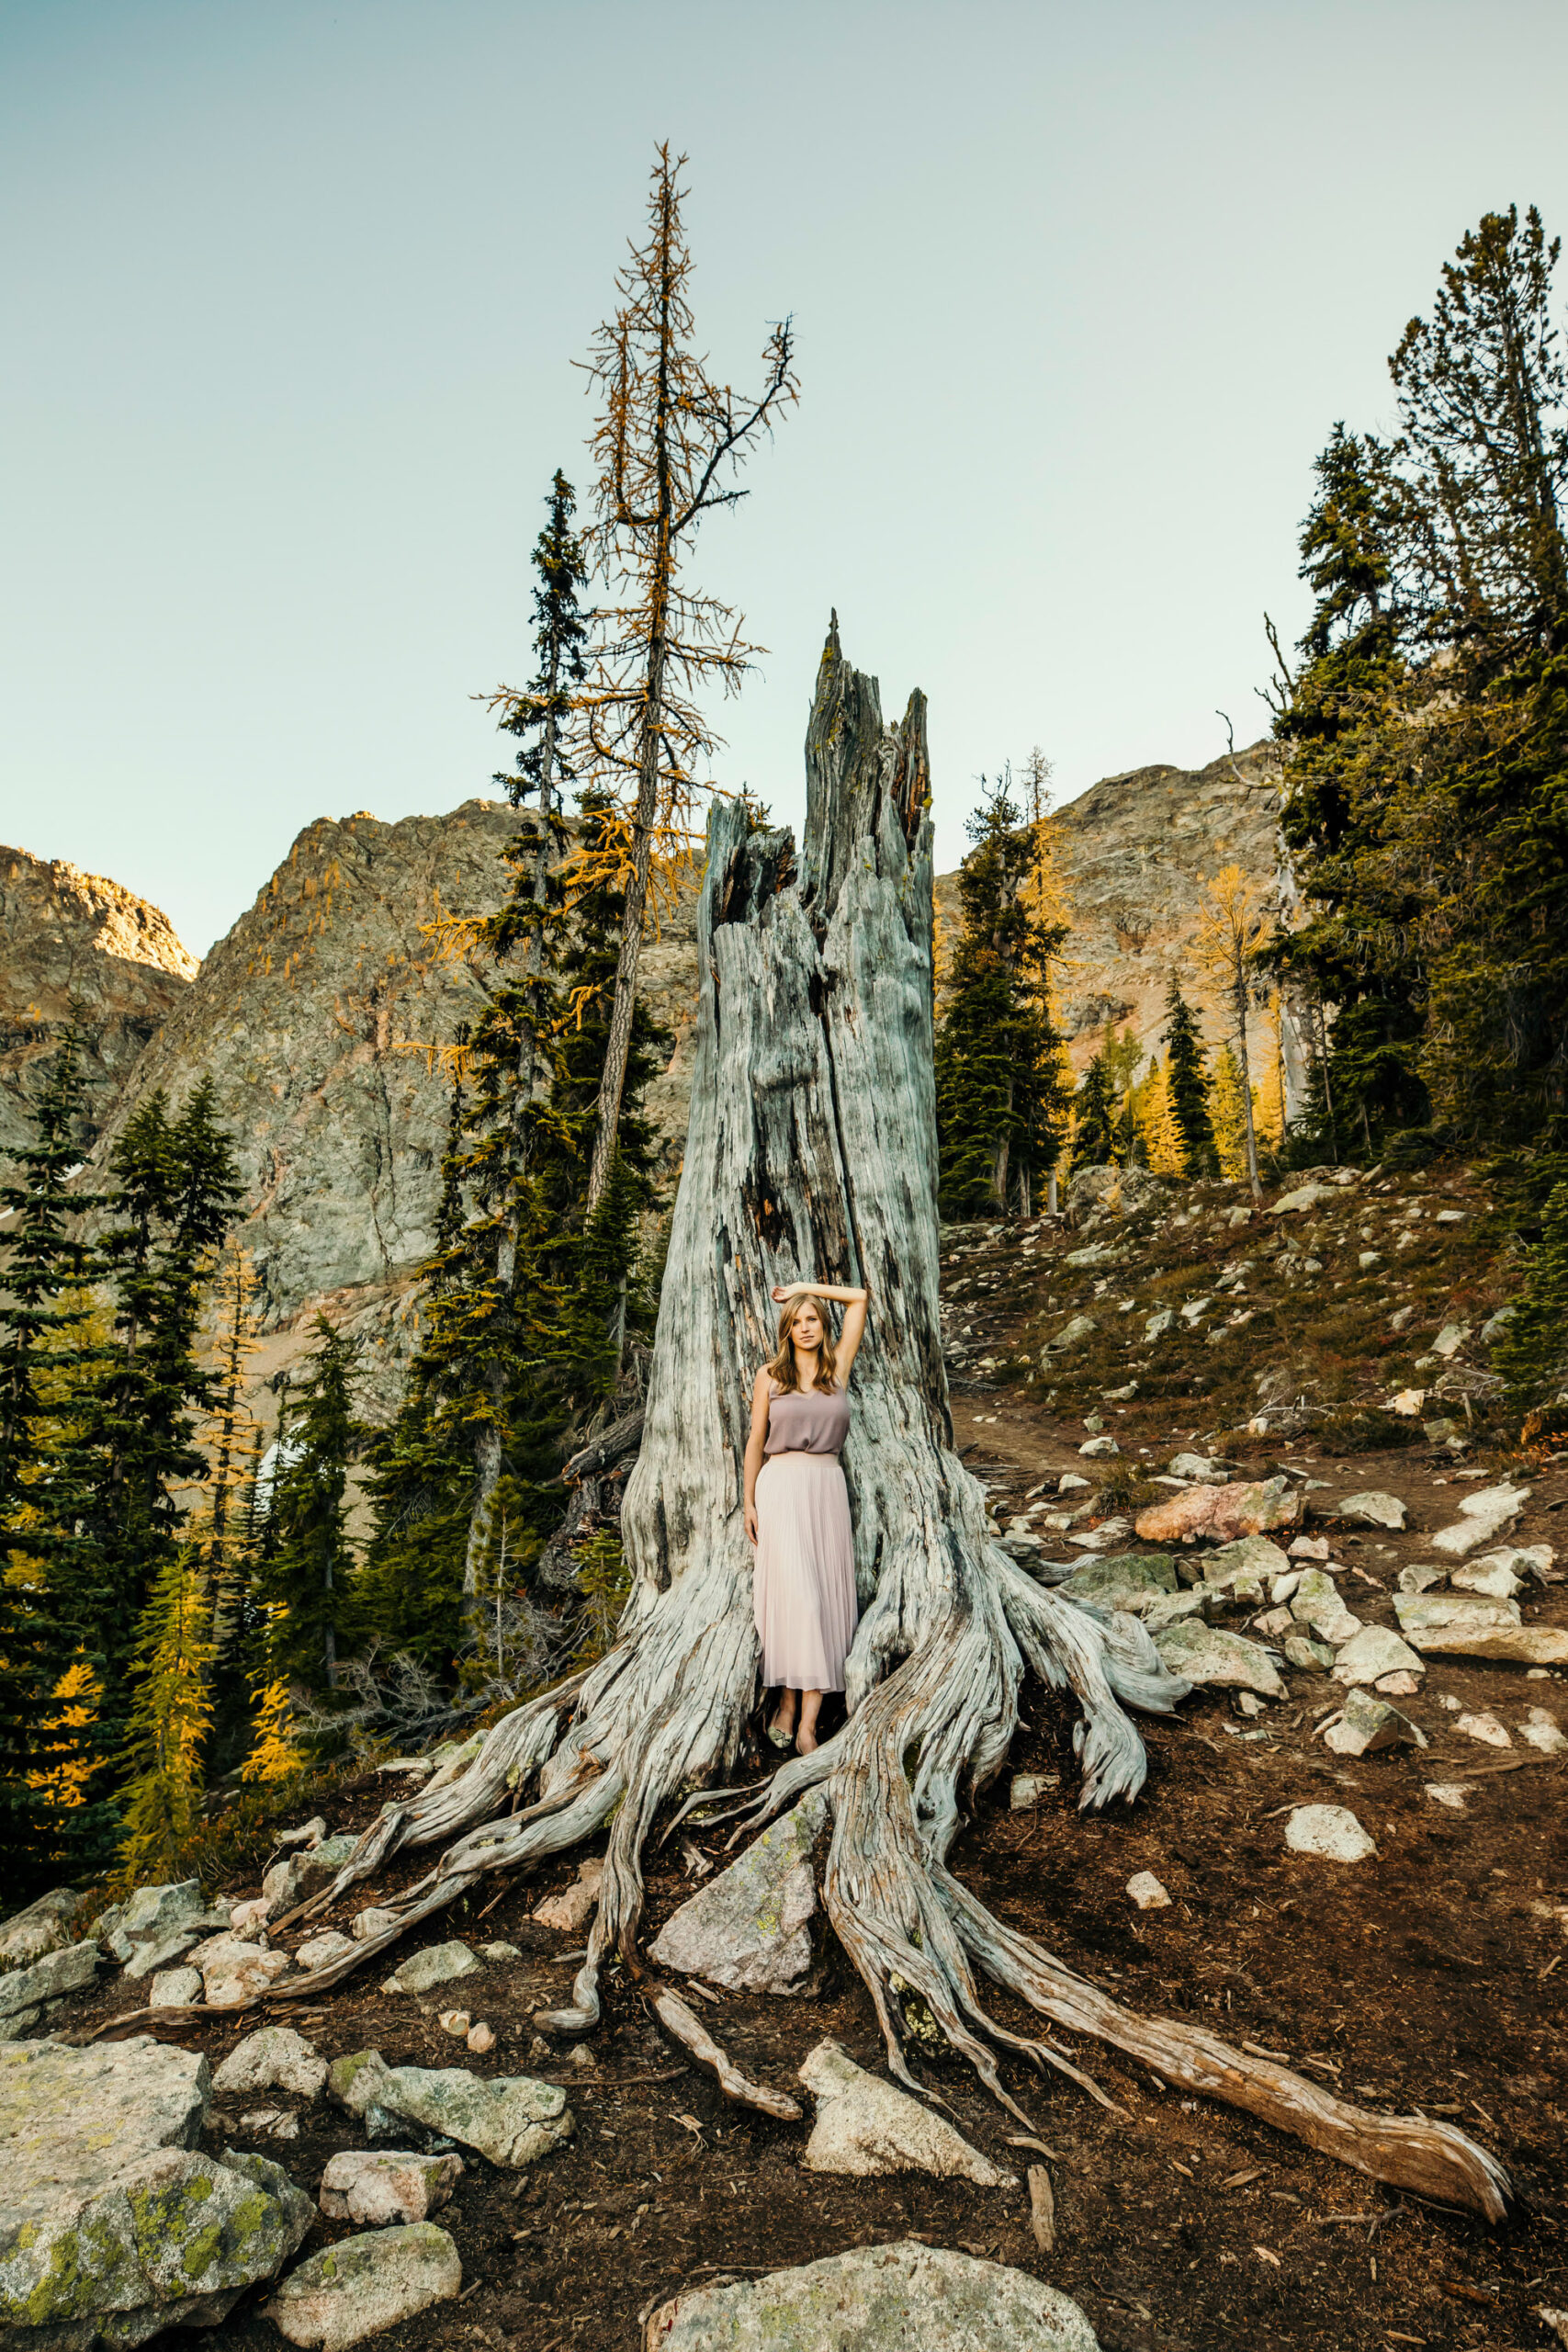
x: 806, y: 1738
x: 781, y: 1728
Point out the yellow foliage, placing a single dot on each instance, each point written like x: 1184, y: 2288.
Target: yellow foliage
x: 1228, y: 1116
x: 170, y: 1719
x: 76, y: 1695
x: 272, y: 1755
x: 1155, y: 1116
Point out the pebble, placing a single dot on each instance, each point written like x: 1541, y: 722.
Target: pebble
x: 1028, y: 1788
x: 1147, y: 1893
x: 1452, y: 1793
x: 1484, y: 1727
x: 1330, y: 1831
x: 456, y: 2023
x: 480, y: 2038
x: 1539, y: 1730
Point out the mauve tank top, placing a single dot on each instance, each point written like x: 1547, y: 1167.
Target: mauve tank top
x: 813, y: 1420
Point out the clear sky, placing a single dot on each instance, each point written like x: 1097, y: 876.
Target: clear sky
x: 292, y: 294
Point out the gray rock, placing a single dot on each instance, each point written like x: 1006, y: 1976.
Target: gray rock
x: 1172, y: 1608
x: 320, y: 1952
x: 1100, y: 1448
x: 876, y: 2299
x: 865, y: 2126
x: 234, y: 1972
x: 174, y: 1989
x: 748, y: 1928
x: 114, y: 2226
x: 1469, y: 1624
x: 364, y: 2286
x: 1490, y: 1574
x: 1251, y: 1556
x: 511, y: 2120
x: 41, y: 1928
x: 1309, y: 1656
x: 1316, y: 1604
x: 383, y: 2186
x: 1375, y: 1651
x: 1373, y: 1509
x: 327, y: 1857
x: 1330, y: 1831
x: 283, y: 1885
x: 1212, y: 1655
x: 439, y: 1965
x: 309, y: 1832
x: 1420, y: 1577
x: 157, y: 1954
x: 1080, y: 1328
x: 67, y: 1969
x: 1198, y: 1465
x: 1147, y: 1893
x: 276, y: 2059
x: 500, y: 1953
x: 1368, y: 1725
x: 374, y: 1920
x: 1027, y: 1789
x: 155, y: 1912
x: 1482, y: 1516
x: 1123, y: 1581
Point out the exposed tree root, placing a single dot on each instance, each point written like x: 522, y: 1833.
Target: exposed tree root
x: 809, y: 1152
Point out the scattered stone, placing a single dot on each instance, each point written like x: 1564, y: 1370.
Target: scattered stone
x: 1372, y: 1654
x: 1069, y: 1483
x: 1222, y: 1513
x: 1469, y: 1624
x: 1491, y: 1574
x: 874, y: 2298
x: 1098, y: 1449
x: 325, y: 1860
x: 1251, y: 1557
x: 155, y: 1912
x: 246, y: 1919
x: 748, y: 1928
x: 378, y: 2187
x: 582, y: 2060
x: 1330, y: 1831
x: 275, y: 2122
x: 374, y: 1920
x: 511, y: 2120
x: 1174, y: 1608
x: 68, y: 1969
x: 1367, y: 1726
x: 309, y: 1832
x: 1308, y: 1656
x: 276, y: 2059
x: 1305, y: 1197
x: 570, y: 1913
x: 1397, y: 1686
x: 361, y: 2286
x: 1130, y: 1580
x: 1452, y: 1793
x: 1539, y: 1730
x: 541, y: 2052
x: 1373, y: 1509
x: 480, y: 2038
x: 1484, y: 1727
x: 234, y: 1972
x: 422, y: 1971
x: 176, y: 1989
x: 1452, y: 1336
x: 1275, y: 1622
x: 114, y: 2226
x: 320, y: 1952
x: 42, y: 1927
x: 1248, y: 1704
x: 1407, y: 1403
x: 1028, y: 1788
x: 500, y: 1952
x: 864, y: 2126
x: 1158, y: 1324
x: 1071, y: 1335
x: 1316, y: 1604
x: 1482, y: 1516
x: 456, y: 2023
x: 283, y: 1885
x: 1197, y: 1465
x: 1218, y: 1659
x: 1421, y: 1576
x: 1147, y: 1893
x: 1309, y: 1547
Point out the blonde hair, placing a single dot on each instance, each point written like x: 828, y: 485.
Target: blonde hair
x: 783, y: 1368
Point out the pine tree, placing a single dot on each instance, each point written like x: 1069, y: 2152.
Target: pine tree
x: 171, y: 1716
x: 1231, y: 1114
x: 1233, y: 937
x: 1531, y: 1353
x: 223, y: 1534
x: 1096, y: 1115
x: 310, y: 1572
x: 1189, y: 1081
x: 1000, y: 1092
x: 1162, y: 1145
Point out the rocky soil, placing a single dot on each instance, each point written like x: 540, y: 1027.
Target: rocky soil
x: 1421, y: 1977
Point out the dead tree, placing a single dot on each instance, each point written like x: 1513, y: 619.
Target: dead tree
x: 811, y: 1149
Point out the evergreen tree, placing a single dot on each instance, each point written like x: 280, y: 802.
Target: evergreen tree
x: 1188, y: 1073
x: 308, y: 1575
x: 1532, y: 1352
x: 1161, y: 1141
x: 1096, y: 1115
x: 1000, y: 1092
x: 1229, y: 1110
x: 171, y: 1716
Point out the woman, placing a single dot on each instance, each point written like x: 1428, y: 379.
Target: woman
x: 797, y: 1507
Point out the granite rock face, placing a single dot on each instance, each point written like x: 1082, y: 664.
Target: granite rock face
x: 113, y: 2226
x: 77, y: 943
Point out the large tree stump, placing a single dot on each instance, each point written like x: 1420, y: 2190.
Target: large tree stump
x: 811, y: 1151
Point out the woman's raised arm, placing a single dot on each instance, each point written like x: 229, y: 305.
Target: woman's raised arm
x: 855, y: 1302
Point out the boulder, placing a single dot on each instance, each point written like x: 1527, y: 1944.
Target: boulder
x: 234, y: 1972
x: 875, y: 2299
x: 383, y: 2186
x: 1123, y: 1581
x: 1252, y: 1557
x: 864, y: 2126
x: 569, y: 1912
x: 1316, y: 1604
x: 176, y: 1989
x: 1368, y: 1725
x: 1220, y: 1514
x: 1303, y: 1197
x: 1469, y: 1624
x: 276, y: 2059
x: 511, y: 2120
x: 748, y: 1928
x: 1330, y: 1831
x: 113, y: 2225
x: 439, y: 1964
x: 1373, y: 1509
x: 41, y: 1928
x: 363, y: 2285
x: 1491, y: 1574
x: 1172, y: 1608
x: 282, y: 1886
x: 155, y: 1912
x: 327, y: 1858
x: 1482, y: 1516
x: 1372, y: 1654
x: 1220, y: 1659
x: 68, y: 1969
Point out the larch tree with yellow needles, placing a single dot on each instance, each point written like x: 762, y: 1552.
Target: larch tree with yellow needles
x: 1233, y: 932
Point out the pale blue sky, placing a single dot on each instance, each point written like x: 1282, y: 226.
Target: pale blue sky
x: 292, y: 294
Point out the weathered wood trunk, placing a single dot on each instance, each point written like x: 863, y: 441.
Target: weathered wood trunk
x: 811, y: 1152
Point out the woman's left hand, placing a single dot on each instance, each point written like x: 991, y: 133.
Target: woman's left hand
x: 781, y: 1290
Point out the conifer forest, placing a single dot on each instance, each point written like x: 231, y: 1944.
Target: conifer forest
x: 381, y: 1681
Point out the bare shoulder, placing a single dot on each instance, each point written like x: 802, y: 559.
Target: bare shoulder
x: 763, y: 1384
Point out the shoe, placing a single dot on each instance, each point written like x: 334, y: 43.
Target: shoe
x: 780, y: 1738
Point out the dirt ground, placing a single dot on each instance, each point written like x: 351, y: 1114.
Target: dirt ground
x: 1427, y: 1979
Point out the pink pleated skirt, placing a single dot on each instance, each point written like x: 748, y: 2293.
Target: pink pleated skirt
x: 804, y: 1585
